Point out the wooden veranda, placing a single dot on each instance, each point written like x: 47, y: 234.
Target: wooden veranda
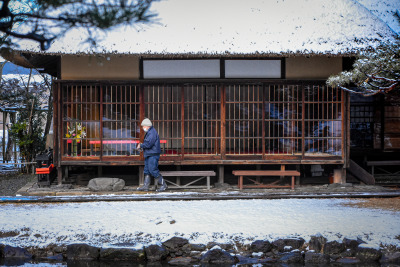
x: 201, y: 122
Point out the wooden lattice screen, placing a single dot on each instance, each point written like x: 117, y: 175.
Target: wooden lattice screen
x: 203, y: 119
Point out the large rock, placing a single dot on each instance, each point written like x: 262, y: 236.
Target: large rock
x: 390, y: 257
x: 217, y: 256
x: 177, y: 247
x: 351, y: 243
x: 155, y: 253
x: 317, y: 242
x: 15, y: 252
x: 261, y: 246
x: 293, y: 243
x: 82, y: 252
x: 291, y: 257
x: 368, y: 254
x: 333, y: 248
x: 316, y: 258
x: 122, y: 254
x: 106, y: 184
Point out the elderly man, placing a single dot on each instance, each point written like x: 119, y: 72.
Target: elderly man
x: 152, y: 150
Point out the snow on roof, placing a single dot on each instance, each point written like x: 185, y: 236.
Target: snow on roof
x: 385, y: 10
x: 236, y: 27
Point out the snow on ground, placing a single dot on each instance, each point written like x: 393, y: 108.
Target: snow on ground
x: 139, y: 223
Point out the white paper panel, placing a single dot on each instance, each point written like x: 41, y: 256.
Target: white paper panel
x: 157, y: 69
x: 253, y: 69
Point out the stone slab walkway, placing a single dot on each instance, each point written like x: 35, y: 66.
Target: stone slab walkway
x: 69, y: 193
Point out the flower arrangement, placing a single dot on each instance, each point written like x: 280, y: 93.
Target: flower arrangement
x: 77, y: 131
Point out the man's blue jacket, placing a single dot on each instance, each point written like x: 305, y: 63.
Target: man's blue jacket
x: 151, y: 144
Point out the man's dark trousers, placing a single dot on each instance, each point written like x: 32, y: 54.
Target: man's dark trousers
x: 151, y: 166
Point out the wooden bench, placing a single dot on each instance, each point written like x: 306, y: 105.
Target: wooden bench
x: 178, y: 174
x: 383, y: 163
x: 257, y: 184
x: 385, y: 176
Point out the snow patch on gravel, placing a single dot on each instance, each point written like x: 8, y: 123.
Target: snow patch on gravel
x: 139, y: 223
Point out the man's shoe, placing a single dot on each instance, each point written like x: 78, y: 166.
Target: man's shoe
x: 146, y: 184
x: 163, y: 184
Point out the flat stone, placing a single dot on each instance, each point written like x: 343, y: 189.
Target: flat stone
x: 338, y: 185
x: 42, y: 194
x: 106, y: 184
x: 62, y: 186
x: 72, y: 193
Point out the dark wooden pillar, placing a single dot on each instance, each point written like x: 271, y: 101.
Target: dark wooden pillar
x: 182, y: 122
x: 4, y: 135
x: 99, y: 171
x: 223, y: 122
x: 57, y: 131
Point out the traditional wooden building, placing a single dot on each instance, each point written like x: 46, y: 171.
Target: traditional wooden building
x: 243, y: 88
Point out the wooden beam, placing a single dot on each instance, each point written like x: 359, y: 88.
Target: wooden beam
x: 221, y: 176
x: 361, y: 174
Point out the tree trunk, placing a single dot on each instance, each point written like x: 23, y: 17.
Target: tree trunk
x: 49, y: 115
x: 10, y: 142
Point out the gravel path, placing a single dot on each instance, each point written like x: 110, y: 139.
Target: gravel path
x: 11, y: 182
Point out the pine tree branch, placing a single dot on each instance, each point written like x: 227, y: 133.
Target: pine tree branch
x: 43, y: 26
